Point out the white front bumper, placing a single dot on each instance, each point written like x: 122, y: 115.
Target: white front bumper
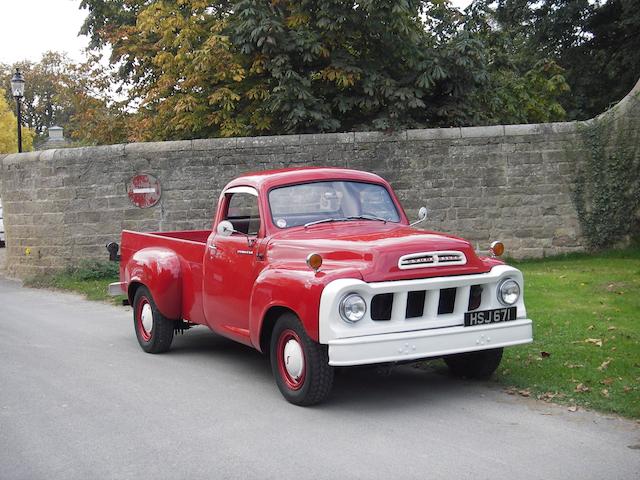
x: 413, y: 345
x: 430, y: 333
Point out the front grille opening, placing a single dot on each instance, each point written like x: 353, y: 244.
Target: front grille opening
x: 415, y: 304
x: 475, y: 297
x: 449, y: 257
x: 381, y: 306
x: 424, y: 260
x: 447, y: 300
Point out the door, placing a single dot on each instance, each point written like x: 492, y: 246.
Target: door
x: 231, y: 265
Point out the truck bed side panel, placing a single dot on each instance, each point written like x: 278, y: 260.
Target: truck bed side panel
x: 189, y: 253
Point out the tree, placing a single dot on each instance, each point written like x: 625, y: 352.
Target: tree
x: 9, y: 129
x: 325, y: 66
x: 596, y: 43
x: 524, y: 85
x: 59, y: 92
x: 46, y: 80
x: 197, y: 68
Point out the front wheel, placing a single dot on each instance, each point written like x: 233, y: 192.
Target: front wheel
x: 300, y: 365
x: 477, y: 365
x: 153, y: 330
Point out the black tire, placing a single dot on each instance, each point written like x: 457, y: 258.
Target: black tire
x: 159, y: 337
x: 314, y: 383
x: 476, y: 365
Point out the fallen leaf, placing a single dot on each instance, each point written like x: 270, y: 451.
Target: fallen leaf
x: 612, y: 328
x: 545, y: 354
x: 525, y: 393
x: 511, y: 390
x: 573, y: 365
x: 627, y: 389
x: 547, y: 396
x: 594, y: 341
x: 605, y: 392
x: 573, y: 408
x: 607, y: 381
x: 590, y: 327
x: 582, y: 388
x: 562, y: 276
x: 605, y: 364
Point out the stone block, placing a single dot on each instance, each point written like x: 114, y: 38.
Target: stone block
x: 489, y: 131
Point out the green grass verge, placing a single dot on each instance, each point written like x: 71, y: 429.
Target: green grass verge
x: 586, y: 312
x: 90, y: 278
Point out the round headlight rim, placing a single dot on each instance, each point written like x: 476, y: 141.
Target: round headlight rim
x: 499, y: 291
x: 342, y: 303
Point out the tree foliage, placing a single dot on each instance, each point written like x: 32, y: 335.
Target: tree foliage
x: 75, y: 96
x: 195, y: 68
x: 597, y: 43
x: 9, y: 129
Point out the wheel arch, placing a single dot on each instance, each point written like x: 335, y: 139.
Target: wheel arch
x: 159, y: 270
x: 269, y: 320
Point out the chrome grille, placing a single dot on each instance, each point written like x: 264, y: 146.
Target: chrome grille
x: 431, y: 259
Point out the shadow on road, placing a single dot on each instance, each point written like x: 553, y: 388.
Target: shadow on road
x: 362, y: 388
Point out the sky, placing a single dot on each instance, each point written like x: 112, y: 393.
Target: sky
x: 32, y: 27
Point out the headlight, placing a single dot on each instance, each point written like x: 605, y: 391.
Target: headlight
x: 508, y: 292
x: 352, y: 308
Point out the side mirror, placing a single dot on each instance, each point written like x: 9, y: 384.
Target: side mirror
x: 422, y: 216
x: 225, y: 228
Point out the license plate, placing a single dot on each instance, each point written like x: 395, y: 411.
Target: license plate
x: 471, y: 319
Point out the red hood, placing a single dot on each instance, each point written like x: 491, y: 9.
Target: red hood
x: 373, y: 248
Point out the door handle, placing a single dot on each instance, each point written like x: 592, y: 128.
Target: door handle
x: 213, y: 248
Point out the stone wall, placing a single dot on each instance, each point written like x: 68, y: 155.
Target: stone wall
x: 483, y: 183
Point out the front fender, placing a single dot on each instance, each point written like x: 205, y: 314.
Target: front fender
x: 159, y: 270
x: 295, y: 289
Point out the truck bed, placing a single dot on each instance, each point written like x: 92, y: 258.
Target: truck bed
x: 189, y: 246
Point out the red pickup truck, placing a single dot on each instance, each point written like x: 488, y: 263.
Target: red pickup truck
x: 320, y: 268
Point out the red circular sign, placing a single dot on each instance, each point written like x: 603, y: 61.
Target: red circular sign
x: 144, y: 190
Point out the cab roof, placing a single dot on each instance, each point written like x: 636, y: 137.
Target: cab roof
x: 274, y: 178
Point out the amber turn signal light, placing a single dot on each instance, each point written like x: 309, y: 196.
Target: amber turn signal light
x: 497, y: 249
x: 314, y: 261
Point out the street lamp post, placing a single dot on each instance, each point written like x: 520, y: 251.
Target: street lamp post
x: 17, y: 90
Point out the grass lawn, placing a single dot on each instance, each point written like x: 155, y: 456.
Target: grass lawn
x: 586, y: 312
x: 90, y: 279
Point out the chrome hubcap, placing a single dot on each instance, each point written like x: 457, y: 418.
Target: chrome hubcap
x: 293, y: 359
x: 147, y: 317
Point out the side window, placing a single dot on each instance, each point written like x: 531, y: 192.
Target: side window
x: 243, y: 213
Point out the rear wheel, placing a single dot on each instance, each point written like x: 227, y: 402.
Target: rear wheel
x: 478, y: 365
x: 153, y: 330
x: 300, y: 365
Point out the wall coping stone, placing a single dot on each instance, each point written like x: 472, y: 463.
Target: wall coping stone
x: 203, y: 144
x: 629, y: 102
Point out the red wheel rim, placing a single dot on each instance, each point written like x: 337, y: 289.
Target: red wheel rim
x: 287, y: 366
x: 144, y: 307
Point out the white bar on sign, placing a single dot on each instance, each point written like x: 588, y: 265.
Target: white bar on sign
x: 144, y: 190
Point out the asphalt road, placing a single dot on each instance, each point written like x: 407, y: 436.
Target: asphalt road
x: 79, y: 399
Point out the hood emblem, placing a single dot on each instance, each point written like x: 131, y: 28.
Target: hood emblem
x: 431, y: 259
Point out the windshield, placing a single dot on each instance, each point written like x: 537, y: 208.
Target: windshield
x: 307, y: 203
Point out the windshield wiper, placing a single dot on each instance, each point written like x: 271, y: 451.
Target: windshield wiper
x: 366, y: 217
x: 324, y: 220
x: 344, y: 219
